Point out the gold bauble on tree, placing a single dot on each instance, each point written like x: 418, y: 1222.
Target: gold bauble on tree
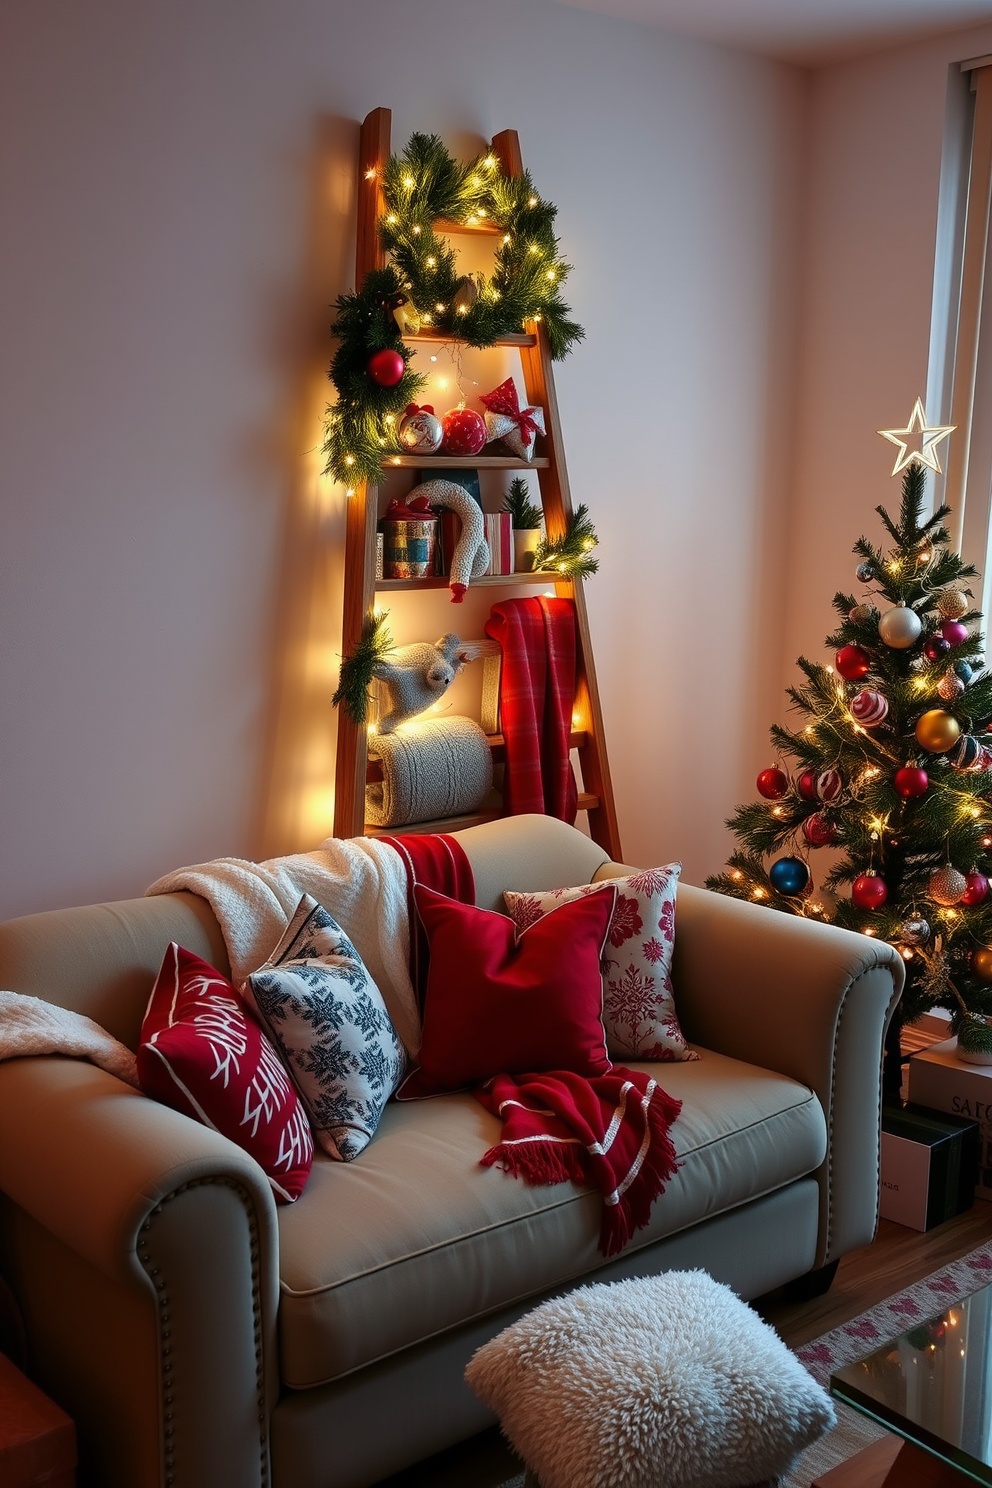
x: 981, y: 963
x: 937, y: 731
x: 947, y: 886
x: 952, y: 603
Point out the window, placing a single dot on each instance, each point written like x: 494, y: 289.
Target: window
x: 959, y: 382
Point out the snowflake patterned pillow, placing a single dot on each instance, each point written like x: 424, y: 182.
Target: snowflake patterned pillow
x: 638, y: 1002
x: 201, y: 1052
x: 326, y: 1016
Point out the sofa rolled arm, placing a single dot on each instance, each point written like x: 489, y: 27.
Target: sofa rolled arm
x: 174, y: 1213
x: 811, y: 1001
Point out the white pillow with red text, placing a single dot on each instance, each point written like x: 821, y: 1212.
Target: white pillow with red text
x: 638, y: 1001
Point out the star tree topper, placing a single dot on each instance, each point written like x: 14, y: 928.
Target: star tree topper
x: 929, y: 437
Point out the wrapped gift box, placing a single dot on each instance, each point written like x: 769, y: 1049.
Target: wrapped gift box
x: 928, y: 1166
x: 938, y: 1079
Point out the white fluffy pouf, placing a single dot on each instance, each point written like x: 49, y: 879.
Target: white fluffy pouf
x: 665, y: 1381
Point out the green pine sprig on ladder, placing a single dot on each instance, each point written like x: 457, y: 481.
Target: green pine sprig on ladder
x: 358, y: 669
x: 571, y: 554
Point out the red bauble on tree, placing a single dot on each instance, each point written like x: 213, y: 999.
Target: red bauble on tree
x: 818, y: 831
x: 464, y: 432
x: 852, y: 662
x: 977, y: 890
x: 386, y: 367
x: 806, y: 785
x: 869, y: 891
x: 910, y: 781
x: 773, y: 784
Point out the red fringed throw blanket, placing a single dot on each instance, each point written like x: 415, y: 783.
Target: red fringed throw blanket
x: 611, y: 1131
x: 536, y: 694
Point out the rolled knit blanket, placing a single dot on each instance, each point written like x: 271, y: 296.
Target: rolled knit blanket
x: 432, y: 769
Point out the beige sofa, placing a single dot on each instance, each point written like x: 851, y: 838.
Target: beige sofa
x: 204, y: 1339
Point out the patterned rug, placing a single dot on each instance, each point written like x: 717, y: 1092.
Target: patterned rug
x: 924, y: 1300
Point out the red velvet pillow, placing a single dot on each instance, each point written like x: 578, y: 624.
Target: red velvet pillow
x: 501, y: 1001
x: 202, y: 1053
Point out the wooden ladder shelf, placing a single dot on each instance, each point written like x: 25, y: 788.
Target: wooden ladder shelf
x: 353, y: 769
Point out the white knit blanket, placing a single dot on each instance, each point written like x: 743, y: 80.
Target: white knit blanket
x: 29, y: 1025
x: 361, y: 882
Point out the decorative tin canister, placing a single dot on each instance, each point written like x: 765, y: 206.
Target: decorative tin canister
x: 409, y: 535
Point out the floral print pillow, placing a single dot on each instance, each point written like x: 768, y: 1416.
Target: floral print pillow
x: 638, y: 1002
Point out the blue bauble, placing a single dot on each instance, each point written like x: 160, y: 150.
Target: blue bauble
x: 789, y: 876
x: 963, y: 670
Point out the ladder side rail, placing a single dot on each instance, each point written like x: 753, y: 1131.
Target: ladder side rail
x: 557, y: 503
x: 351, y: 759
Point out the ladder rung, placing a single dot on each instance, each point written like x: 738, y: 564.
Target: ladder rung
x: 459, y: 823
x: 444, y: 338
x: 459, y: 462
x: 577, y: 739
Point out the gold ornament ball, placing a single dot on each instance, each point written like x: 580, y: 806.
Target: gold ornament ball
x: 981, y: 963
x: 952, y: 603
x: 937, y: 731
x: 946, y: 886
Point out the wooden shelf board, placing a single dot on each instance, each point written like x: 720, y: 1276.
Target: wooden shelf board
x: 449, y: 225
x: 488, y: 581
x: 459, y: 823
x: 577, y: 739
x: 444, y: 338
x: 463, y: 462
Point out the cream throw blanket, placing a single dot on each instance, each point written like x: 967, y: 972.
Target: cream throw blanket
x: 28, y: 1026
x: 361, y: 882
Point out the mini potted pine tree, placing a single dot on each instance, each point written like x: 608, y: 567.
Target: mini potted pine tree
x: 892, y: 769
x: 525, y: 519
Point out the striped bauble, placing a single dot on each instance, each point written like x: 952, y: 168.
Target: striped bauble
x: 869, y: 708
x: 966, y: 754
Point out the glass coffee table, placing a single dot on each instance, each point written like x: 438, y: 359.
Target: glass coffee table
x: 931, y: 1386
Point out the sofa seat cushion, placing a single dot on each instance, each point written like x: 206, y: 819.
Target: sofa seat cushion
x: 415, y: 1237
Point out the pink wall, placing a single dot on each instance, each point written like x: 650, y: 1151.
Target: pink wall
x: 177, y: 203
x: 876, y: 129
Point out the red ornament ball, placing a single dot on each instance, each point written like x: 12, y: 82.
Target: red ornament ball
x: 806, y: 785
x: 464, y: 431
x: 852, y: 662
x: 954, y: 632
x: 978, y: 888
x: 869, y: 891
x: 936, y: 647
x: 386, y: 367
x: 818, y: 831
x: 910, y: 781
x: 773, y: 784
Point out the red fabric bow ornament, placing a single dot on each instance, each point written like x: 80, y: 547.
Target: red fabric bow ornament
x: 505, y: 419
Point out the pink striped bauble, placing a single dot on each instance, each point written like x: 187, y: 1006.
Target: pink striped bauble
x: 869, y: 708
x: 829, y: 785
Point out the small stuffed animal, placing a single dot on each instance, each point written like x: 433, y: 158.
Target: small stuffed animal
x: 415, y: 676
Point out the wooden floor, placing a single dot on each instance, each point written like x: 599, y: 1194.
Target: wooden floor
x: 897, y: 1258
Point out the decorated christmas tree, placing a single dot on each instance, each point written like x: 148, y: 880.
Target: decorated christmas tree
x: 890, y: 769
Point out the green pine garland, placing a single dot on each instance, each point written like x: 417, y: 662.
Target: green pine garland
x: 904, y: 841
x: 570, y: 555
x: 420, y: 186
x: 358, y: 669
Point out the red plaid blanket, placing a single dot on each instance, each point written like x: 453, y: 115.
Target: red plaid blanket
x: 537, y: 691
x: 438, y: 862
x: 611, y: 1131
